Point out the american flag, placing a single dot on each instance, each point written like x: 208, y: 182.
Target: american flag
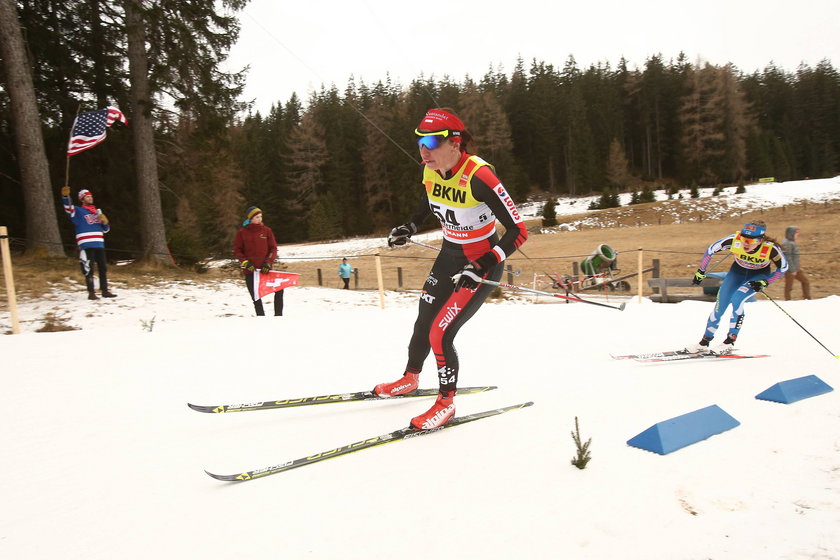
x: 89, y: 128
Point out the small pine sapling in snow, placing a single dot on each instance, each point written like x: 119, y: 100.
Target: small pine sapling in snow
x: 148, y: 325
x: 583, y: 456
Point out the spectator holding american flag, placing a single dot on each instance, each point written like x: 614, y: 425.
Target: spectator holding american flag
x: 89, y: 129
x: 91, y: 226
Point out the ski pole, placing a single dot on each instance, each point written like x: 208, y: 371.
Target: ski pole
x: 715, y: 265
x: 424, y: 245
x: 800, y: 326
x: 549, y: 294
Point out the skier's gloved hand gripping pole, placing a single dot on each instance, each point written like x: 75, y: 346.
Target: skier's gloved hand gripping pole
x: 401, y: 235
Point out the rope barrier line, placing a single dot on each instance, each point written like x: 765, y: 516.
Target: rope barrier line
x: 23, y: 241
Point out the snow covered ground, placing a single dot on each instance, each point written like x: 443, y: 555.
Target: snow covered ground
x: 102, y: 459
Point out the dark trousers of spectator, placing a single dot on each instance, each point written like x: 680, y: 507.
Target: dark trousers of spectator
x: 87, y: 258
x: 346, y: 283
x: 798, y: 275
x: 258, y: 305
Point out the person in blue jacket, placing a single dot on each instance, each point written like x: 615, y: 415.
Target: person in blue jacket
x: 345, y: 270
x: 91, y: 226
x: 750, y: 273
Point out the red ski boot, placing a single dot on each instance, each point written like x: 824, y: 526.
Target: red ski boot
x: 441, y: 412
x: 402, y: 386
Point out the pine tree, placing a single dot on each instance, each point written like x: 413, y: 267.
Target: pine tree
x: 549, y: 212
x: 488, y: 123
x: 736, y: 126
x: 306, y: 159
x: 377, y: 180
x: 579, y: 155
x: 702, y: 125
x: 325, y: 219
x: 817, y: 95
x: 617, y: 172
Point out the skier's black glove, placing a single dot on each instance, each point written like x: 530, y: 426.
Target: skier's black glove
x: 266, y: 268
x: 758, y: 285
x: 698, y: 277
x: 246, y: 266
x: 400, y: 234
x: 471, y: 275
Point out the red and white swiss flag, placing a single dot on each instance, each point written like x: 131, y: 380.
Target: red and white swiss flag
x: 273, y: 281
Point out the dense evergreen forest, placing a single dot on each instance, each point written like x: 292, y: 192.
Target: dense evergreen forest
x: 344, y: 162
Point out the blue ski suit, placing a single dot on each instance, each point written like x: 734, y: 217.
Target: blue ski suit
x: 736, y: 290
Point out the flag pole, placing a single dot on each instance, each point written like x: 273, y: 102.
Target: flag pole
x: 67, y: 168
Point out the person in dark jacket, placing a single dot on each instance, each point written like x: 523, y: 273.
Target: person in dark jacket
x: 794, y: 272
x: 256, y: 248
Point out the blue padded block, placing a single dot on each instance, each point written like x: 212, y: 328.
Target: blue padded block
x: 794, y: 390
x: 676, y: 433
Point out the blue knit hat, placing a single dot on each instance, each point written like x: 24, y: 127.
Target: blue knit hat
x: 250, y: 213
x: 754, y: 230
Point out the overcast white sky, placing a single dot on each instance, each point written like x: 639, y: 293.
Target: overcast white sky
x: 297, y: 46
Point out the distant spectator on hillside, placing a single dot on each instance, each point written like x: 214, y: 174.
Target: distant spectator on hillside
x: 795, y: 272
x: 256, y: 248
x: 345, y: 270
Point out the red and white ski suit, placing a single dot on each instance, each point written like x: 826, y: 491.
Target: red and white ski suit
x: 468, y: 202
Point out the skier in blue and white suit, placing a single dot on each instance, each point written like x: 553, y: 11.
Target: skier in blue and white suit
x: 750, y: 273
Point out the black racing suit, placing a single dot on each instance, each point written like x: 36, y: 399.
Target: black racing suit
x: 442, y: 311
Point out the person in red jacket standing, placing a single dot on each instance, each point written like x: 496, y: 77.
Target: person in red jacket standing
x: 256, y: 248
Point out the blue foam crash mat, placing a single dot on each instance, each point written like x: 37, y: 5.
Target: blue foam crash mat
x: 676, y: 433
x: 793, y: 390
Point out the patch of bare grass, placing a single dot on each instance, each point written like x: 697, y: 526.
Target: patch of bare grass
x: 55, y: 323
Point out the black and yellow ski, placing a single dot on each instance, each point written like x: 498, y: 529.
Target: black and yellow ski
x: 327, y: 399
x: 396, y: 435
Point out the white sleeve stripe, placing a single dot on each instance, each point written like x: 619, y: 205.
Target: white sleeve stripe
x: 499, y: 253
